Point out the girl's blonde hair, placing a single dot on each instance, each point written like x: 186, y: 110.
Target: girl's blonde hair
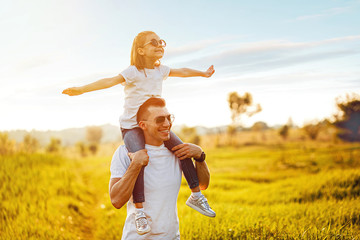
x: 135, y: 58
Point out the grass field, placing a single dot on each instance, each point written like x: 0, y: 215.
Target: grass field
x: 302, y: 190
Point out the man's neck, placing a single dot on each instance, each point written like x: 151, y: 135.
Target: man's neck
x: 153, y: 142
x: 157, y: 144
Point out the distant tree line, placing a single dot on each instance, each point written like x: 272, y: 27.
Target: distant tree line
x: 347, y: 121
x: 31, y: 145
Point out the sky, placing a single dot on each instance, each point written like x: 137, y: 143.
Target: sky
x: 294, y: 57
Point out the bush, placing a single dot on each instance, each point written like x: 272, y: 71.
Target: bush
x: 284, y: 131
x: 189, y: 134
x: 7, y: 146
x: 30, y: 144
x: 82, y: 149
x: 312, y: 130
x: 54, y: 146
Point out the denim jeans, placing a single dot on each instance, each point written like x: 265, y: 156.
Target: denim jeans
x: 134, y: 141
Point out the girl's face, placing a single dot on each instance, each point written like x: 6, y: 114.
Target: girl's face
x: 151, y: 51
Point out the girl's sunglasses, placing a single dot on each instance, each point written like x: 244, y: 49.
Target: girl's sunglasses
x: 156, y: 43
x: 161, y: 119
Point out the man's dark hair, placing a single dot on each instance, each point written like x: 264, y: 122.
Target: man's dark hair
x: 151, y: 102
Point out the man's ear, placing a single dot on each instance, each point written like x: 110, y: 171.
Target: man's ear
x: 142, y: 125
x: 140, y: 51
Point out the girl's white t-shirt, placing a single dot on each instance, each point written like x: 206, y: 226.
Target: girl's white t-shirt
x: 139, y: 88
x: 162, y: 179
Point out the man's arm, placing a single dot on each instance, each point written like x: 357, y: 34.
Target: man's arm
x: 188, y: 72
x: 100, y: 84
x: 203, y: 174
x: 120, y: 189
x: 189, y: 150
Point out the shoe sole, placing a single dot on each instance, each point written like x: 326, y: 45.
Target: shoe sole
x: 142, y: 233
x: 199, y: 210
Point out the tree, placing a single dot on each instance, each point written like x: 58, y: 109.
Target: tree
x: 94, y: 135
x: 290, y: 123
x: 284, y: 131
x: 348, y: 118
x: 189, y: 134
x: 312, y: 129
x: 240, y: 105
x: 30, y: 144
x: 259, y: 126
x: 54, y: 146
x: 81, y: 147
x: 7, y: 146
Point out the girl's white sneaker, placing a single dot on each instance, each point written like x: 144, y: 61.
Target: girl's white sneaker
x: 201, y: 205
x: 141, y: 222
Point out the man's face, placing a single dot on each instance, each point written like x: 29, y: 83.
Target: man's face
x: 156, y: 133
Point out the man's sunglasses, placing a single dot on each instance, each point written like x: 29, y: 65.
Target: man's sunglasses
x: 161, y: 119
x: 156, y: 43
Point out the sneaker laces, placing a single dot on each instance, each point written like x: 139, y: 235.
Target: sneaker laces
x: 141, y: 222
x: 140, y: 219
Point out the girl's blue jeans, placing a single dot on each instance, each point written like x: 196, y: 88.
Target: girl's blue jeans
x: 134, y: 141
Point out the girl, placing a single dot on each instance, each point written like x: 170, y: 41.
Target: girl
x: 142, y: 80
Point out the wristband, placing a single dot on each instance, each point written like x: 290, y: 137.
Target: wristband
x: 202, y: 158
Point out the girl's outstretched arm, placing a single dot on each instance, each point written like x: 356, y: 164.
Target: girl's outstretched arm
x: 100, y: 84
x: 188, y: 72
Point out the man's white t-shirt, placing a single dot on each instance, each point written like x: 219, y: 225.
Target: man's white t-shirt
x: 162, y: 179
x: 139, y: 88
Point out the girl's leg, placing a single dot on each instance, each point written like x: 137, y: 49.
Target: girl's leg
x: 197, y: 200
x: 186, y: 164
x: 134, y: 141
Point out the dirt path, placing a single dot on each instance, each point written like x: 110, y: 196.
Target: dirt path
x: 93, y: 174
x: 88, y: 223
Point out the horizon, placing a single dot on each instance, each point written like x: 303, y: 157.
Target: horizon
x: 294, y: 58
x: 276, y: 126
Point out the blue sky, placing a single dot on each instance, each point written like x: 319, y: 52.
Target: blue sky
x: 295, y: 57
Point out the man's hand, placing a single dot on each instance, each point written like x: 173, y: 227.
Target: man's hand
x: 187, y: 150
x: 73, y: 91
x: 140, y: 157
x: 208, y: 73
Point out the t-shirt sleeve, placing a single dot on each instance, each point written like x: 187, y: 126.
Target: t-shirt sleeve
x: 119, y: 163
x: 165, y: 71
x: 129, y: 74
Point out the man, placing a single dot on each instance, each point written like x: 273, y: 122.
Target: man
x: 162, y: 176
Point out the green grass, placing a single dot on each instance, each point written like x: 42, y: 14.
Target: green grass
x: 39, y: 198
x: 291, y: 191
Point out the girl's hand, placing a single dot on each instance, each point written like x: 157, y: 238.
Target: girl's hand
x: 73, y: 91
x: 210, y: 71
